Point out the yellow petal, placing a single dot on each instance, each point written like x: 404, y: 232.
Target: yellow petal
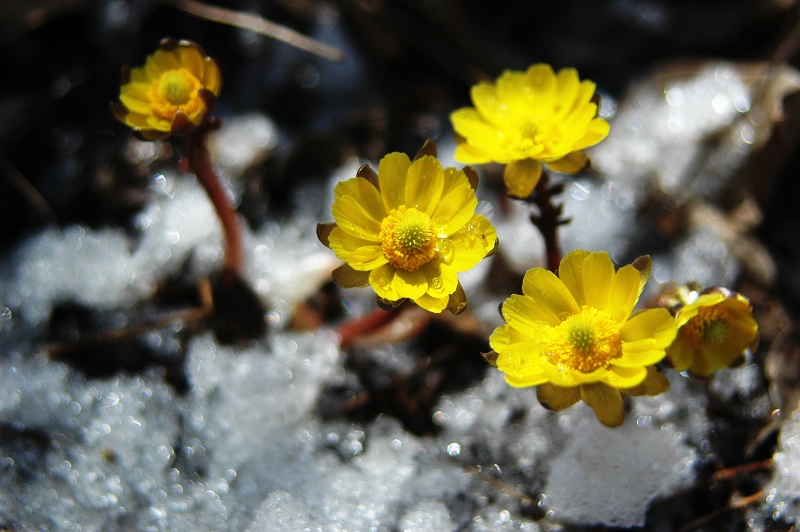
x: 191, y: 59
x: 568, y: 84
x: 139, y: 75
x: 716, y: 357
x: 606, y: 403
x: 572, y: 163
x: 469, y: 154
x: 557, y: 398
x: 515, y: 90
x: 681, y: 354
x: 489, y: 105
x: 532, y: 378
x: 703, y: 365
x: 472, y: 242
x: 624, y: 293
x: 432, y: 304
x: 526, y: 315
x: 598, y: 275
x: 519, y: 363
x: 596, y: 131
x: 410, y: 284
x: 468, y: 123
x: 355, y: 219
x: 382, y: 281
x: 654, y: 384
x: 424, y: 184
x: 655, y: 327
x: 139, y: 91
x: 361, y: 254
x: 500, y: 338
x: 742, y: 332
x: 442, y: 279
x: 158, y: 124
x: 550, y: 297
x: 136, y: 120
x: 212, y: 78
x: 455, y: 210
x: 541, y: 82
x: 135, y: 105
x: 160, y: 62
x: 392, y: 172
x: 365, y: 195
x: 521, y: 177
x: 620, y: 377
x: 570, y: 271
x: 585, y: 94
x: 454, y: 179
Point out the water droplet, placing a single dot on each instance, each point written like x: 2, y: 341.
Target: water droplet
x: 580, y: 191
x: 442, y: 228
x: 358, y: 265
x: 545, y: 294
x: 454, y: 449
x: 437, y: 283
x: 445, y: 251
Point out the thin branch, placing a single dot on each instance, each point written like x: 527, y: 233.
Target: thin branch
x: 191, y: 315
x: 499, y: 484
x: 26, y: 189
x: 735, y: 471
x: 259, y: 25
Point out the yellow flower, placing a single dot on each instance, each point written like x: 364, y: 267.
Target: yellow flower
x: 171, y: 93
x: 408, y: 230
x: 526, y: 119
x: 575, y: 335
x: 713, y: 332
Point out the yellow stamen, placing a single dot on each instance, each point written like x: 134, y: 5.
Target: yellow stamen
x: 407, y: 238
x: 175, y: 90
x: 584, y: 342
x: 709, y: 327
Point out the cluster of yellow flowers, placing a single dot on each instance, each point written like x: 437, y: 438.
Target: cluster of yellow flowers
x: 409, y: 229
x: 576, y: 335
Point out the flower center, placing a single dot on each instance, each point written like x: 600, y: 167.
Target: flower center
x: 709, y: 327
x: 538, y: 136
x: 407, y: 238
x: 584, y: 342
x: 175, y: 90
x: 175, y: 87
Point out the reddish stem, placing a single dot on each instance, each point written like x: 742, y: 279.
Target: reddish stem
x: 198, y: 161
x: 548, y: 218
x: 353, y: 329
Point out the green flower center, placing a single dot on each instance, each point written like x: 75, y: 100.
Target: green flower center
x: 710, y: 326
x: 407, y: 238
x: 583, y: 342
x: 175, y: 87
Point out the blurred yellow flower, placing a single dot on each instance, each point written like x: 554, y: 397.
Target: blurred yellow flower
x: 409, y: 230
x: 576, y: 336
x: 526, y: 119
x: 171, y: 93
x: 714, y: 331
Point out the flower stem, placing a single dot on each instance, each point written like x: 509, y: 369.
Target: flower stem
x: 198, y: 161
x: 548, y: 218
